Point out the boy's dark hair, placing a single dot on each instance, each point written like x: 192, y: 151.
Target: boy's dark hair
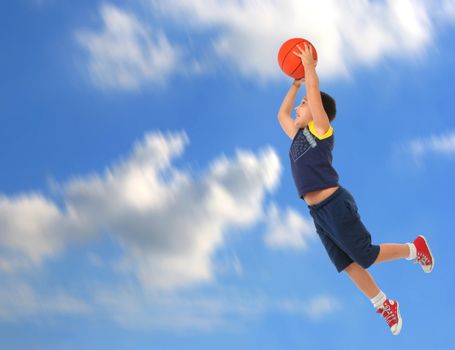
x: 330, y: 105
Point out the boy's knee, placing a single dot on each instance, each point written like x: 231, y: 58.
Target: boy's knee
x: 352, y: 268
x: 357, y: 266
x: 369, y: 257
x: 366, y: 257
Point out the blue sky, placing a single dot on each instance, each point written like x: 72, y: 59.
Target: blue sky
x: 146, y: 198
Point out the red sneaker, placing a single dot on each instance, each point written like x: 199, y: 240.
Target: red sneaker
x: 390, y: 310
x: 424, y: 256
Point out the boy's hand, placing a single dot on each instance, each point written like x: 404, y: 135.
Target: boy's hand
x: 298, y: 82
x: 305, y: 54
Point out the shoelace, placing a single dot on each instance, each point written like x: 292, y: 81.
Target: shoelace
x: 422, y: 259
x: 388, y: 315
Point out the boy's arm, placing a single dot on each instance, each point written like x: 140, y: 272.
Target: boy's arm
x: 284, y: 114
x: 321, y: 120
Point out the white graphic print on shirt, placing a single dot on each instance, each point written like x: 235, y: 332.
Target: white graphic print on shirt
x: 303, y: 141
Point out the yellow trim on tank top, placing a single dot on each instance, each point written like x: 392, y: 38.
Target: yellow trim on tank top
x: 313, y: 131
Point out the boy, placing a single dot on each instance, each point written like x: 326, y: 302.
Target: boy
x: 333, y: 208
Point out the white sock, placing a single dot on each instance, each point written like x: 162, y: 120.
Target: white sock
x: 378, y: 300
x: 412, y: 249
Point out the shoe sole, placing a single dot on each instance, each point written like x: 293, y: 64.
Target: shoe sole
x: 400, y: 321
x: 432, y: 258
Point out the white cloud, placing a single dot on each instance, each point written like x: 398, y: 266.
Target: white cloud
x: 19, y: 301
x: 126, y: 53
x: 229, y: 310
x: 320, y: 306
x: 314, y: 308
x: 169, y: 224
x: 31, y: 229
x: 345, y: 33
x: 438, y: 144
x: 288, y: 230
x: 446, y: 12
x: 135, y: 308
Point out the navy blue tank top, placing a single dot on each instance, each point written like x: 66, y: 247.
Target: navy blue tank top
x: 311, y: 160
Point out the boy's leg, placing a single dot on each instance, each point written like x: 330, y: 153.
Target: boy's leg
x: 388, y: 308
x: 363, y: 280
x: 390, y: 252
x: 419, y: 250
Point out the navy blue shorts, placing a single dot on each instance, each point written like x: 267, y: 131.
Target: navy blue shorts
x: 343, y: 234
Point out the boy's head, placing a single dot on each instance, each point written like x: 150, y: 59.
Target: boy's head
x: 303, y: 114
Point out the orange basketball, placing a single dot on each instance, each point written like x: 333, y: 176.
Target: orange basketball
x: 289, y: 63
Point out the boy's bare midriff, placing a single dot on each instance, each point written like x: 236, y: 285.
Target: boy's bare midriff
x: 315, y: 197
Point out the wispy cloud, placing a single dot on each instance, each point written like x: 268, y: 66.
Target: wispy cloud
x: 229, y: 310
x: 126, y: 53
x: 315, y: 308
x: 132, y: 307
x: 446, y: 11
x: 443, y: 144
x: 346, y: 33
x: 19, y: 301
x: 288, y: 230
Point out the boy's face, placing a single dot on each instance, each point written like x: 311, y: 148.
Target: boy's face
x: 302, y: 114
